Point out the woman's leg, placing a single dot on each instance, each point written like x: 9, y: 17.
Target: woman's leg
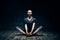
x: 20, y: 30
x: 37, y: 29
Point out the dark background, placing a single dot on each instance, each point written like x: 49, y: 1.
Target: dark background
x: 13, y: 12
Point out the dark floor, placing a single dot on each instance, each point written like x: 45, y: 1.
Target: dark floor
x: 12, y: 35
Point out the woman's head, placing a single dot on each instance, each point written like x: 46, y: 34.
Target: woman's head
x: 29, y: 13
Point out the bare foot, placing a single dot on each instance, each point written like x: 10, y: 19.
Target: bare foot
x: 27, y: 34
x: 31, y: 33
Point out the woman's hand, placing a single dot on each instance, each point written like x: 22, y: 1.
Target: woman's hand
x: 27, y: 34
x: 30, y: 33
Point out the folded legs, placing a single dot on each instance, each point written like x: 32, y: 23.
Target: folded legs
x: 39, y: 28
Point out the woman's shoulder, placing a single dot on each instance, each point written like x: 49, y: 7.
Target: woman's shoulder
x: 25, y: 18
x: 34, y: 18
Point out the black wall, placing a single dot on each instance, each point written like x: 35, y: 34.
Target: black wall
x: 13, y: 12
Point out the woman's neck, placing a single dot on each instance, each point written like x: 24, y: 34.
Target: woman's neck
x: 30, y: 17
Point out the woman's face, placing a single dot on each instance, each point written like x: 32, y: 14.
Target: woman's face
x: 29, y: 13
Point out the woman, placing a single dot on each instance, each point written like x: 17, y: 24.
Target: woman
x: 29, y: 23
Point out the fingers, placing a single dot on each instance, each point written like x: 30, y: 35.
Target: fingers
x: 27, y: 34
x: 31, y: 33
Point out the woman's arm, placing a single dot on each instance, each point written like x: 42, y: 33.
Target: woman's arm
x: 32, y: 27
x: 26, y: 28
